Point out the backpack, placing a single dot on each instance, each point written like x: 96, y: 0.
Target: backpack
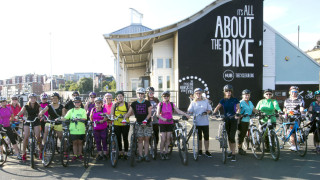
x: 161, y: 104
x: 116, y: 105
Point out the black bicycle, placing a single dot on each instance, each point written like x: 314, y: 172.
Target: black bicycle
x: 133, y: 143
x: 3, y: 146
x: 88, y: 143
x: 65, y: 146
x: 223, y: 137
x: 180, y: 132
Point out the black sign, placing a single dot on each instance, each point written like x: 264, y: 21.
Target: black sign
x: 223, y: 47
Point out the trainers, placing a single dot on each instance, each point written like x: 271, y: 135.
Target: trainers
x: 208, y: 154
x: 233, y: 158
x: 19, y: 156
x: 292, y: 147
x: 140, y: 159
x: 80, y: 157
x: 99, y: 157
x: 24, y: 157
x: 241, y: 151
x: 147, y: 158
x: 162, y: 156
x: 74, y: 158
x: 166, y: 156
x: 200, y: 153
x: 229, y: 155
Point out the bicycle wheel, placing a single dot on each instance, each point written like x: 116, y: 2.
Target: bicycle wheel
x: 114, y: 150
x: 93, y: 145
x: 246, y: 142
x: 195, y: 147
x: 224, y: 146
x: 275, y: 147
x: 132, y: 152
x: 153, y: 147
x: 316, y: 136
x: 173, y: 138
x: 57, y: 143
x: 4, y: 151
x: 65, y: 151
x: 48, y: 152
x: 257, y: 144
x: 32, y: 150
x: 183, y: 150
x: 87, y: 151
x: 281, y: 136
x: 301, y: 142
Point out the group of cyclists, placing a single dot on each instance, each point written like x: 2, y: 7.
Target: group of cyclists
x: 154, y: 116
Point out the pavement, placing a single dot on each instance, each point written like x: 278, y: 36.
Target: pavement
x: 289, y: 166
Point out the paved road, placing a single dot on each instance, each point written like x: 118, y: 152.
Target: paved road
x: 289, y: 166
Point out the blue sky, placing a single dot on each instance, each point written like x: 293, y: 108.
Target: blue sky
x: 77, y: 26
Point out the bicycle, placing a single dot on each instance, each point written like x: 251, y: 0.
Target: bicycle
x: 134, y: 143
x: 65, y: 146
x: 153, y: 144
x: 180, y: 137
x: 49, y: 146
x: 254, y: 138
x: 316, y: 133
x: 298, y: 133
x: 267, y: 130
x: 88, y: 143
x: 4, y: 147
x: 223, y: 138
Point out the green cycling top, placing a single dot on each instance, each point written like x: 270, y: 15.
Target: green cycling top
x: 79, y: 128
x: 268, y: 106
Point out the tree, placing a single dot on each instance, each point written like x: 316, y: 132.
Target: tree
x: 74, y: 87
x: 85, y: 85
x: 112, y: 85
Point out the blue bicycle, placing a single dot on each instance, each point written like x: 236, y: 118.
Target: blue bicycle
x: 300, y: 138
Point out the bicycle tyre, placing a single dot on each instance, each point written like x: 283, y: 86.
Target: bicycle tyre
x: 114, y: 151
x: 133, y: 144
x: 56, y: 143
x: 153, y: 147
x: 281, y: 136
x: 257, y: 144
x: 48, y: 152
x: 316, y: 134
x: 183, y: 150
x: 195, y: 147
x: 4, y: 150
x: 87, y: 152
x: 246, y: 142
x: 173, y: 138
x: 224, y: 147
x: 93, y: 146
x: 32, y: 150
x: 275, y: 147
x: 65, y: 151
x: 301, y: 142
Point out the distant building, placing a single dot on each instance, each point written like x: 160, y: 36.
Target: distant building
x: 1, y: 82
x: 16, y: 79
x: 7, y: 81
x: 27, y: 78
x: 70, y: 77
x: 315, y: 52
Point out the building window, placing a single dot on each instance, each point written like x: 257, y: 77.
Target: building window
x: 159, y: 63
x: 160, y: 82
x: 168, y: 82
x: 168, y: 63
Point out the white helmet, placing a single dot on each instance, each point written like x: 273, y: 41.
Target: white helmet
x: 141, y: 90
x: 2, y: 98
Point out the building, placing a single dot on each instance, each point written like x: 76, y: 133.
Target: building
x: 70, y: 77
x: 27, y: 78
x: 315, y: 52
x: 16, y: 79
x: 7, y: 81
x: 227, y: 42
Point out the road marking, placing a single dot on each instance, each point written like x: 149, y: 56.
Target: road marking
x: 86, y: 173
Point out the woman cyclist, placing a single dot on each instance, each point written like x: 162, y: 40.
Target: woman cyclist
x: 6, y: 114
x: 164, y: 112
x: 90, y: 103
x: 16, y: 108
x: 77, y: 129
x: 314, y: 107
x: 231, y: 108
x: 99, y: 128
x: 108, y: 102
x: 54, y: 110
x: 44, y: 103
x: 155, y: 122
x: 120, y: 127
x: 33, y: 109
x: 246, y: 108
x: 200, y: 105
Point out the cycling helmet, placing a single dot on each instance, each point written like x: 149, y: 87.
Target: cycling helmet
x: 317, y: 93
x: 198, y: 89
x: 246, y: 91
x: 32, y: 95
x: 77, y: 99
x: 93, y: 94
x: 294, y: 87
x: 228, y: 87
x: 150, y: 89
x: 98, y: 99
x: 44, y: 96
x: 166, y: 93
x: 75, y: 92
x: 119, y: 92
x: 268, y: 90
x: 15, y: 97
x: 2, y: 99
x: 141, y: 90
x: 55, y: 94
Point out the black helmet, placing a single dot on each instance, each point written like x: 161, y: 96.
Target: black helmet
x: 246, y: 91
x: 75, y: 92
x: 32, y: 95
x: 98, y: 99
x: 77, y: 99
x: 119, y: 92
x: 228, y: 87
x: 55, y: 94
x: 268, y: 90
x: 166, y: 93
x: 150, y: 89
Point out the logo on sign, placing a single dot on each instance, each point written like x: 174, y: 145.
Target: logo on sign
x: 228, y: 75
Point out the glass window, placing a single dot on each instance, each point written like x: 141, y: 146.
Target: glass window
x: 160, y: 82
x: 168, y: 82
x: 168, y: 63
x: 159, y: 63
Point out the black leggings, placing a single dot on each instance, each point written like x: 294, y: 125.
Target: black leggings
x: 11, y: 135
x: 205, y: 130
x: 231, y: 128
x: 156, y: 132
x: 243, y: 129
x: 124, y: 132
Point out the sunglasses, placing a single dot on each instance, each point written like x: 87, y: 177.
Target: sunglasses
x: 151, y: 93
x: 3, y: 101
x: 76, y: 102
x: 141, y: 93
x: 198, y: 93
x: 268, y: 94
x: 93, y: 97
x: 294, y: 91
x: 166, y: 96
x: 14, y: 99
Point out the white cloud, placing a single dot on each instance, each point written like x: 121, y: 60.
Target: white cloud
x: 272, y: 13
